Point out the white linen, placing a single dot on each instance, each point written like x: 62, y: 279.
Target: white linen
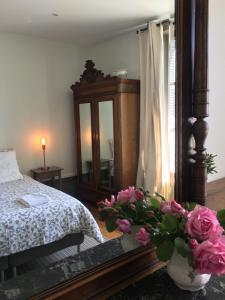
x: 22, y: 228
x: 9, y: 170
x: 30, y: 200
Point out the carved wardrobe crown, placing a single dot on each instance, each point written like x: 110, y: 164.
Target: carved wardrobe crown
x: 90, y: 75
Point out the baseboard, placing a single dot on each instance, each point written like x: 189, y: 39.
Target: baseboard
x: 68, y: 175
x: 69, y: 179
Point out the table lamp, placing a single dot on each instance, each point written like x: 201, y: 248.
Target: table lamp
x: 43, y: 144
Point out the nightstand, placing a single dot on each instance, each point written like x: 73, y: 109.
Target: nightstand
x: 50, y: 173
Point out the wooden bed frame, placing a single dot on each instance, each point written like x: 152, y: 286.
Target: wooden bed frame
x: 14, y: 260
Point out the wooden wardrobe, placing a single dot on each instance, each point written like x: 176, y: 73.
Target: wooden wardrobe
x: 107, y: 133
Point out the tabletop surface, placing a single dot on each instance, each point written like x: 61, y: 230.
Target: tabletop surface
x: 157, y: 286
x: 47, y: 170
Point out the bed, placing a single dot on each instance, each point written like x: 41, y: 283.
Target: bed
x: 26, y: 233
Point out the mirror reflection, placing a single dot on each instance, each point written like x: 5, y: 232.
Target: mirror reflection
x: 125, y: 129
x: 106, y: 143
x: 86, y: 142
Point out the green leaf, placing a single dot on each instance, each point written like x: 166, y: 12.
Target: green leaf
x: 162, y: 228
x: 170, y: 222
x: 165, y: 250
x: 155, y: 203
x: 111, y: 224
x: 157, y: 239
x: 182, y: 247
x: 189, y: 205
x: 181, y: 225
x: 221, y: 217
x: 160, y: 196
x: 105, y: 213
x: 192, y: 206
x: 210, y: 163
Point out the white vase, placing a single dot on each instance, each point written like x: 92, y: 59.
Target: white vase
x: 128, y: 241
x: 183, y: 274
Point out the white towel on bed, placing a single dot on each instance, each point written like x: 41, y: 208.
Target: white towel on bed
x: 31, y: 200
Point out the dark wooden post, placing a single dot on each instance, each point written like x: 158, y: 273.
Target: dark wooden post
x: 200, y: 101
x: 184, y: 66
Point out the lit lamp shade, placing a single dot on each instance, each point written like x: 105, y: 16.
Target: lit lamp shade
x: 43, y: 141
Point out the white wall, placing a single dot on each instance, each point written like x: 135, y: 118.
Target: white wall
x: 117, y: 53
x: 35, y: 99
x: 35, y: 96
x: 216, y: 139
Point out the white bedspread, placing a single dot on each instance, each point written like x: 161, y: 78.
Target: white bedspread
x: 23, y: 228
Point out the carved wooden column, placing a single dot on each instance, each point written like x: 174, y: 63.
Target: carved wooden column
x: 184, y: 21
x: 200, y: 101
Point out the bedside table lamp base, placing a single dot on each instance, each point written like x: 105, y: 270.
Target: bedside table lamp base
x: 43, y: 145
x: 43, y: 148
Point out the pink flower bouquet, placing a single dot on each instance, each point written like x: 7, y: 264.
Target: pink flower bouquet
x: 194, y: 231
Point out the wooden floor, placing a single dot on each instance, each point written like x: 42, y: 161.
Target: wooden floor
x: 101, y: 224
x: 216, y: 194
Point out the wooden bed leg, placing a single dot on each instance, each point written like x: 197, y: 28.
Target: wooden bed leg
x: 78, y: 248
x: 14, y: 271
x: 2, y: 276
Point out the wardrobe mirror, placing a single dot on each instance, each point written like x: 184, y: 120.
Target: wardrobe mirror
x: 106, y: 137
x: 86, y: 142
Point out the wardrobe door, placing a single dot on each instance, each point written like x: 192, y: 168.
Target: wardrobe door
x: 86, y: 161
x: 106, y: 143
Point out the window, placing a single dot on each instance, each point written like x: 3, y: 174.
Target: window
x: 171, y: 104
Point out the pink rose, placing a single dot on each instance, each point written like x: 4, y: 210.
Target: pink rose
x: 178, y: 209
x: 106, y: 203
x: 139, y: 195
x: 143, y: 236
x: 166, y: 207
x: 124, y: 225
x: 172, y: 207
x: 110, y: 203
x: 132, y: 206
x: 209, y: 257
x: 192, y: 244
x: 129, y: 195
x: 202, y: 224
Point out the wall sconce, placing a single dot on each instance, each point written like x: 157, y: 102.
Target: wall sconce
x: 43, y: 145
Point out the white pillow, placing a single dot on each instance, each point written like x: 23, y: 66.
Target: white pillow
x: 9, y: 169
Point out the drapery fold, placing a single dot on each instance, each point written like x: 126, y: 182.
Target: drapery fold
x: 154, y: 171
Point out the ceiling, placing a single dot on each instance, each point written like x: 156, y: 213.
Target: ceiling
x: 83, y: 22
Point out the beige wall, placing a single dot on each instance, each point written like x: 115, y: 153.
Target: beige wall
x: 117, y: 53
x: 35, y: 99
x: 216, y: 139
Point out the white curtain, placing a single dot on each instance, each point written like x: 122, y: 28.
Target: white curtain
x: 154, y: 162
